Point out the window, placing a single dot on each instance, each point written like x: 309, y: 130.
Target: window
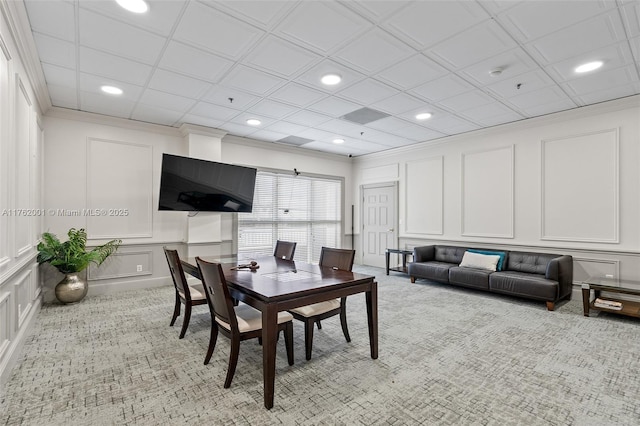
x: 303, y: 209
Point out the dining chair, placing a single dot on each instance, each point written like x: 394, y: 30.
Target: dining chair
x: 238, y: 323
x: 189, y: 292
x: 285, y: 250
x: 313, y: 314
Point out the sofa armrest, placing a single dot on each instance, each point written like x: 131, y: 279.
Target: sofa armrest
x: 561, y: 269
x: 424, y: 253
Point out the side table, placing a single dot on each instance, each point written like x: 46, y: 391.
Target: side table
x: 403, y: 253
x: 627, y: 307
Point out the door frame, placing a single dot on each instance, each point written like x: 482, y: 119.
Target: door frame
x: 394, y: 185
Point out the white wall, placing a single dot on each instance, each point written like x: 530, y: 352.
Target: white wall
x: 564, y: 183
x: 21, y: 140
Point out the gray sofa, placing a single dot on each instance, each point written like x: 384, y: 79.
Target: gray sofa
x: 538, y: 276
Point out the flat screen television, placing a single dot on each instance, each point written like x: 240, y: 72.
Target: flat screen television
x: 191, y: 184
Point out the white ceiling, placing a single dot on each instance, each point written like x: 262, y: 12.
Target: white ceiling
x: 182, y: 61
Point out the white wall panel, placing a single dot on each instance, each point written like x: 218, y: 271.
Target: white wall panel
x: 119, y: 189
x: 23, y: 178
x: 424, y: 202
x: 384, y: 173
x: 487, y: 193
x: 5, y: 323
x: 5, y: 169
x: 23, y: 297
x: 580, y: 187
x: 584, y: 268
x: 123, y: 263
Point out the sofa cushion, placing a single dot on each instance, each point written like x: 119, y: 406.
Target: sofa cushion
x: 480, y: 261
x: 517, y: 283
x: 469, y: 277
x: 503, y: 256
x: 436, y: 271
x: 449, y: 254
x: 533, y: 263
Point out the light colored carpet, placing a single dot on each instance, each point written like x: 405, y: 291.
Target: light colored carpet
x: 447, y: 356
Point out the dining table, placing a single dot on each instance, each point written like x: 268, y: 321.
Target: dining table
x: 278, y: 285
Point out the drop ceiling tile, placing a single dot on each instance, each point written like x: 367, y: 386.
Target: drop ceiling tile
x: 115, y: 67
x: 194, y: 62
x: 177, y: 84
x: 450, y: 124
x: 322, y: 26
x: 368, y: 146
x: 601, y: 81
x: 215, y: 112
x: 631, y: 16
x: 317, y: 135
x: 425, y: 23
x: 512, y: 63
x: 441, y: 88
x: 281, y: 57
x: 466, y: 101
x: 241, y: 119
x: 367, y: 92
x: 312, y: 77
x: 560, y: 105
x: 160, y: 18
x: 62, y: 97
x: 486, y: 112
x: 286, y: 128
x: 498, y: 6
x: 546, y: 96
x: 156, y: 114
x: 412, y: 72
x: 220, y: 95
x: 298, y: 95
x: 471, y: 46
x: 499, y: 119
x: 272, y: 109
x: 212, y: 30
x: 264, y: 14
x: 529, y: 20
x: 106, y: 105
x: 398, y: 104
x: 52, y: 18
x: 595, y: 33
x: 530, y: 81
x: 267, y: 135
x: 237, y: 129
x: 333, y: 106
x: 374, y: 51
x: 342, y: 128
x: 387, y: 124
x: 413, y: 132
x: 55, y: 51
x: 614, y: 56
x: 308, y: 118
x: 202, y: 121
x: 252, y: 80
x: 166, y: 101
x: 59, y: 76
x: 334, y: 148
x: 119, y: 39
x: 377, y: 10
x: 610, y: 93
x: 90, y: 83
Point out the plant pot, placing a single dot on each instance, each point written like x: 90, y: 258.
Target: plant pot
x: 71, y: 289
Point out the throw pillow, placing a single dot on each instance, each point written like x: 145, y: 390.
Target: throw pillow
x: 479, y: 261
x: 502, y: 255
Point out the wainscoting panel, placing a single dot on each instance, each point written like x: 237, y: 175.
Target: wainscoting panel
x: 424, y: 202
x: 584, y: 268
x: 22, y: 184
x: 119, y: 198
x: 580, y: 176
x: 5, y: 323
x: 487, y: 193
x: 23, y: 297
x: 5, y: 170
x: 123, y: 264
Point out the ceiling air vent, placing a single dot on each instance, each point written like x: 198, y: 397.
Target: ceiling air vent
x: 294, y: 140
x: 364, y: 116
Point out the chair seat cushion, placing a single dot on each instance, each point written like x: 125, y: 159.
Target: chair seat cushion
x: 317, y: 308
x: 195, y: 289
x: 250, y: 319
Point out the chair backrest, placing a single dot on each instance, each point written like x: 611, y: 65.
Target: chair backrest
x: 285, y: 250
x: 177, y: 273
x: 337, y: 258
x: 218, y: 296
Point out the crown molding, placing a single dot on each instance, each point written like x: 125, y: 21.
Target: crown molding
x: 194, y: 129
x: 17, y: 19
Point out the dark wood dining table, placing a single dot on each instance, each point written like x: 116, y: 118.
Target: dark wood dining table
x: 278, y: 285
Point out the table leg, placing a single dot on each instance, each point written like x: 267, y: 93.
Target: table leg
x: 269, y: 340
x: 386, y: 258
x: 586, y: 293
x: 404, y: 262
x: 372, y: 318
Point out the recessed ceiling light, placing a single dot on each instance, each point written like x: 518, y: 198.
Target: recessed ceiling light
x: 589, y: 66
x: 112, y: 90
x: 338, y: 141
x: 331, y: 79
x: 135, y: 6
x: 423, y: 116
x: 253, y: 122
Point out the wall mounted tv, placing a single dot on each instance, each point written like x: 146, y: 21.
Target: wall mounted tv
x: 191, y: 184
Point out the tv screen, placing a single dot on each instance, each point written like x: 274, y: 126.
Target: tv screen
x: 191, y: 184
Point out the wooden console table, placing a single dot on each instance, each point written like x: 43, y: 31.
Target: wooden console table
x: 598, y: 285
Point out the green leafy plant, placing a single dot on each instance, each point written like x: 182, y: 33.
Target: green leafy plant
x: 72, y: 255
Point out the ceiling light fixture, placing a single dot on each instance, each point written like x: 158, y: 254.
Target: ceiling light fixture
x: 135, y: 6
x: 589, y: 66
x: 423, y: 116
x: 495, y: 72
x: 112, y: 90
x: 253, y: 122
x: 338, y: 141
x: 331, y: 79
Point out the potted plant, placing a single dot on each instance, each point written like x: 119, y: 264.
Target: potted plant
x: 70, y: 258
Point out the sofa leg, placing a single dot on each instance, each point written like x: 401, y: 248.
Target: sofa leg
x: 551, y: 306
x: 413, y: 280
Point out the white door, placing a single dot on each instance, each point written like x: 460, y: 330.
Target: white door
x: 379, y: 222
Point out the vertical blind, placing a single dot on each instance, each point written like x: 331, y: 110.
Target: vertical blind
x: 303, y: 209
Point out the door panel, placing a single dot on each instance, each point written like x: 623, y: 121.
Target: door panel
x: 379, y: 222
